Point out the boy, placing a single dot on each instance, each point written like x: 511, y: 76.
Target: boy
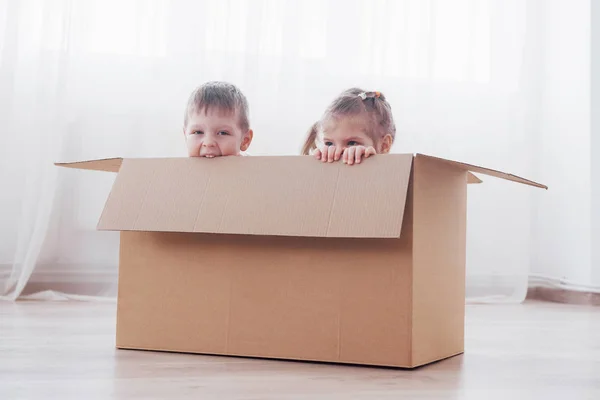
x: 216, y: 121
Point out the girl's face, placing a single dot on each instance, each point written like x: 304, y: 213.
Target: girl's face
x: 351, y: 131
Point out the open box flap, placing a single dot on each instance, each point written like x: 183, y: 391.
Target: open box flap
x: 486, y: 171
x: 105, y: 164
x: 283, y: 196
x: 473, y: 179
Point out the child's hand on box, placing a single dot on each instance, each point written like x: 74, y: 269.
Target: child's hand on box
x: 355, y: 154
x: 349, y: 155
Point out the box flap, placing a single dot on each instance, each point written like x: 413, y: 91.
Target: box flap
x: 486, y: 171
x: 105, y: 164
x: 472, y: 178
x: 281, y: 196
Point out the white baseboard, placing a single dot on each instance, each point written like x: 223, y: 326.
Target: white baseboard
x: 544, y: 281
x: 68, y: 273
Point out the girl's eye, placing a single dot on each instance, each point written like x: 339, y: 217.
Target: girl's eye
x: 328, y: 144
x: 353, y: 143
x: 198, y: 133
x: 223, y: 133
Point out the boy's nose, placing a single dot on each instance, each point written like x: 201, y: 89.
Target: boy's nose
x: 208, y: 143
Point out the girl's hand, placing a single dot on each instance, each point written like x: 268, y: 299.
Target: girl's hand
x: 349, y: 155
x: 355, y: 154
x: 328, y: 153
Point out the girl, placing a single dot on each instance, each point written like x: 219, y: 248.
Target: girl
x: 356, y: 125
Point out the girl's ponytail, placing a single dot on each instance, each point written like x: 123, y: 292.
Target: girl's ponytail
x: 311, y: 139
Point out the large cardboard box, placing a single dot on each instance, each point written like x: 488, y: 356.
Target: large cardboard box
x: 289, y: 258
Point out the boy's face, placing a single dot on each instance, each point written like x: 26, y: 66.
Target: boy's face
x: 215, y: 134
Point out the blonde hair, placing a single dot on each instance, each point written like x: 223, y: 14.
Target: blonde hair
x: 222, y: 95
x: 351, y: 102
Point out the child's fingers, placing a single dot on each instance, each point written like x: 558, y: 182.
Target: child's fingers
x: 370, y: 151
x: 325, y: 157
x: 360, y: 151
x: 318, y: 153
x: 330, y: 153
x: 351, y: 154
x: 338, y: 153
x: 324, y: 153
x: 364, y: 152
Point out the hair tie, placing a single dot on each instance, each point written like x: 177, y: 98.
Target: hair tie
x: 365, y: 95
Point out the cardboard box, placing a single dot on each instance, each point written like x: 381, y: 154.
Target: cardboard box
x: 290, y: 258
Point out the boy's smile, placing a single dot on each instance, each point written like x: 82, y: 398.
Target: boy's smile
x: 214, y: 133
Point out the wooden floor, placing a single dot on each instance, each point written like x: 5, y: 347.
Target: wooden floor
x: 66, y: 351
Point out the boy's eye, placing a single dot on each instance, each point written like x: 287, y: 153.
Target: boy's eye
x: 353, y: 143
x: 198, y: 133
x: 223, y: 133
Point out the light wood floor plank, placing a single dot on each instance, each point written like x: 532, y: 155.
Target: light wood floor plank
x: 66, y: 351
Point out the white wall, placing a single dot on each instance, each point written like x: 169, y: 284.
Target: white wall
x: 562, y: 223
x: 543, y: 133
x: 595, y: 140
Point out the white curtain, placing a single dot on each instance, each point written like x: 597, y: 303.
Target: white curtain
x: 82, y: 79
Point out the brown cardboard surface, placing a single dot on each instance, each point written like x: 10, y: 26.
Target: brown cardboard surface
x: 439, y: 258
x: 106, y: 164
x: 472, y: 178
x: 114, y: 164
x: 487, y: 171
x: 283, y: 196
x: 286, y: 257
x: 337, y: 300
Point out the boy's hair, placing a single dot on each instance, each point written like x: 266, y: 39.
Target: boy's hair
x: 352, y: 102
x: 222, y: 95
